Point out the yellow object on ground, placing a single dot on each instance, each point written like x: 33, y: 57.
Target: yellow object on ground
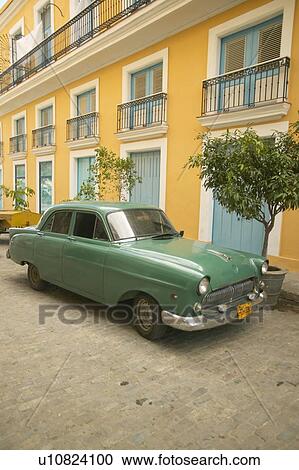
x: 9, y: 219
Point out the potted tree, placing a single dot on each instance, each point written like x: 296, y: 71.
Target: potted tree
x: 255, y: 177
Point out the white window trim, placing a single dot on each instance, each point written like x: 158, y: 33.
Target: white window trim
x: 251, y: 18
x: 74, y: 156
x: 148, y: 146
x: 36, y: 12
x: 18, y: 163
x: 39, y: 160
x: 145, y: 62
x: 74, y: 92
x: 206, y: 210
x: 20, y: 25
x: 40, y: 106
x: 14, y: 118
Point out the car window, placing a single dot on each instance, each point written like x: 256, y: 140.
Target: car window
x: 90, y: 226
x: 61, y: 222
x: 100, y: 231
x: 84, y: 225
x: 47, y: 227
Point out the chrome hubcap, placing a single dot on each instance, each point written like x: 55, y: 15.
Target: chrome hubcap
x: 145, y: 314
x: 34, y: 275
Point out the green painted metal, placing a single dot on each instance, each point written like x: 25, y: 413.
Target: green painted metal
x: 109, y: 271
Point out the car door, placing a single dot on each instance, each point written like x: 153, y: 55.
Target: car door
x: 48, y: 246
x: 84, y: 255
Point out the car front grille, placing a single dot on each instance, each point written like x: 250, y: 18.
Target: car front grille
x: 229, y: 293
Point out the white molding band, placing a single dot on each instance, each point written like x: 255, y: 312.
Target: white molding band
x: 147, y: 146
x: 206, y: 211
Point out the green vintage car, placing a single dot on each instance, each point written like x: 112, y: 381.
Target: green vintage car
x: 130, y: 254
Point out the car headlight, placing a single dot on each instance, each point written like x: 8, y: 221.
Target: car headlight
x: 203, y: 286
x: 264, y: 267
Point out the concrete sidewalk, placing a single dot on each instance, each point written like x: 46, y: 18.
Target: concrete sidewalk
x: 290, y: 289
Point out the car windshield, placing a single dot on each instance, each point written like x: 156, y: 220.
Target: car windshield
x: 139, y: 223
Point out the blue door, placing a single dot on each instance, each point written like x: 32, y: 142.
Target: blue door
x: 234, y: 232
x: 145, y: 83
x: 147, y: 165
x: 251, y: 46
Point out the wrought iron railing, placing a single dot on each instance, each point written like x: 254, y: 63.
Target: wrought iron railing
x: 144, y: 112
x: 82, y: 127
x: 18, y: 143
x: 92, y: 21
x: 258, y: 85
x: 43, y: 137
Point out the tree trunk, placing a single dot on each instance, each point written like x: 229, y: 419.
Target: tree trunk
x: 266, y: 241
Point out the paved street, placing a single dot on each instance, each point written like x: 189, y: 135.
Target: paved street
x: 96, y: 385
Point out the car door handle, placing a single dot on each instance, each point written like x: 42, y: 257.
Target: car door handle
x: 71, y: 239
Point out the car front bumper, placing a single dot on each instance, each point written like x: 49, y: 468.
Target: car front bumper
x: 210, y: 317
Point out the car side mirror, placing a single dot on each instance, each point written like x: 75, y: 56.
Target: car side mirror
x: 182, y: 233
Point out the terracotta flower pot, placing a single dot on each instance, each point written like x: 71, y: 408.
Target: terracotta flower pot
x: 273, y: 283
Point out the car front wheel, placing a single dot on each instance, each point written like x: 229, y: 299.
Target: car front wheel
x: 147, y: 318
x: 34, y: 278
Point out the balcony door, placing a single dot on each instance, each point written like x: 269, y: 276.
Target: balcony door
x: 147, y: 165
x: 84, y: 126
x: 246, y: 48
x: 45, y: 17
x: 145, y: 83
x: 19, y: 132
x: 46, y: 123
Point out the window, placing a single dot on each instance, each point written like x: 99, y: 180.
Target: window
x: 253, y: 45
x: 48, y: 224
x: 83, y: 170
x: 88, y: 225
x: 86, y: 102
x: 45, y: 18
x: 19, y: 126
x: 20, y: 178
x: 1, y: 192
x: 45, y: 185
x: 147, y: 82
x: 134, y: 223
x: 46, y: 116
x: 45, y: 135
x: 100, y: 231
x: 60, y: 223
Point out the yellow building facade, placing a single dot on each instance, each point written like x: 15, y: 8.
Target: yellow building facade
x: 143, y: 78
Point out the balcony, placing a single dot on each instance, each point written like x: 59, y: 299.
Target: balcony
x: 83, y: 131
x: 91, y: 22
x: 43, y: 140
x: 253, y: 94
x: 142, y: 118
x: 18, y: 146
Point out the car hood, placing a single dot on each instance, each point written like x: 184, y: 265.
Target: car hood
x: 224, y: 266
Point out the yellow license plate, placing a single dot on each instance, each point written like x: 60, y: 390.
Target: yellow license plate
x: 243, y: 310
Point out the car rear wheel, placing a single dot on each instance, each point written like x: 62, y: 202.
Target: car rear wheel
x: 34, y: 278
x: 147, y: 318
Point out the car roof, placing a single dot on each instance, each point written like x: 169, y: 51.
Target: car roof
x: 101, y: 206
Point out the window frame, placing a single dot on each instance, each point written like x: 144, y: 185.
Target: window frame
x: 97, y: 216
x: 52, y: 214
